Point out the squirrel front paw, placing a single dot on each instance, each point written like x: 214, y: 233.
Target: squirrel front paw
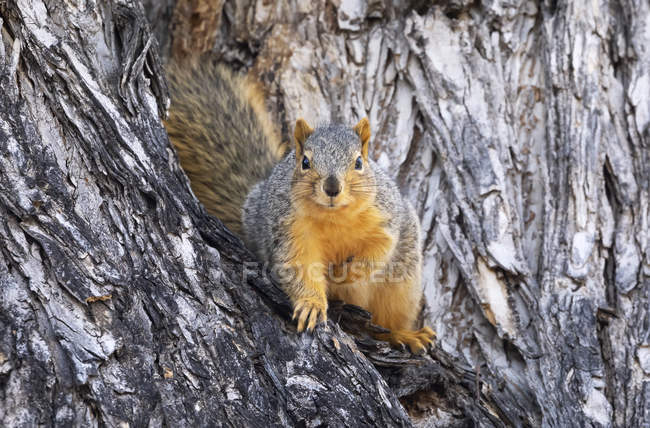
x: 310, y: 310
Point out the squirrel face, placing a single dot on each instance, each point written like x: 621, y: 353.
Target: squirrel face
x: 332, y: 170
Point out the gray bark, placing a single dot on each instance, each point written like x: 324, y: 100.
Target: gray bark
x: 521, y: 130
x: 121, y: 302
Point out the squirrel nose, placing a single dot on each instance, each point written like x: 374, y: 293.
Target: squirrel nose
x: 332, y: 186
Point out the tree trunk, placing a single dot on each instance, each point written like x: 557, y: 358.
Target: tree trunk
x: 121, y: 302
x: 521, y: 130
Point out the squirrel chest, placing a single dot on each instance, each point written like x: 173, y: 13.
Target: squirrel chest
x: 340, y: 237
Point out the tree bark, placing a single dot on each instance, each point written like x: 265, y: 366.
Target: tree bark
x: 121, y: 302
x: 521, y: 130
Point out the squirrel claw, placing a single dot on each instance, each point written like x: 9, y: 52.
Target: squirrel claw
x: 310, y: 311
x: 417, y: 340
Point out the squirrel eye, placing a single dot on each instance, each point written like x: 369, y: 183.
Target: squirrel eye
x: 359, y: 163
x: 305, y: 163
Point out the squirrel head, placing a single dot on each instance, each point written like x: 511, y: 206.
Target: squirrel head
x: 332, y: 170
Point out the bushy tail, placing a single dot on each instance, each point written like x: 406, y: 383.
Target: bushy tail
x: 224, y: 136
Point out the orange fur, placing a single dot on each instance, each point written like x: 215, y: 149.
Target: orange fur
x: 363, y: 131
x: 321, y: 237
x: 417, y: 340
x: 392, y: 308
x: 301, y: 132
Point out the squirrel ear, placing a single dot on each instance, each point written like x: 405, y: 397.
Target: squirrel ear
x: 301, y: 133
x: 363, y: 131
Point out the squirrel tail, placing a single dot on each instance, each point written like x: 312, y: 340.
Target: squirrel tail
x: 225, y: 138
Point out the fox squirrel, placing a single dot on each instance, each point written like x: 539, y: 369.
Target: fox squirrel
x: 327, y: 219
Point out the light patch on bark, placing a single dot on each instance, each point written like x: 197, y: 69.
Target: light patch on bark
x: 494, y: 299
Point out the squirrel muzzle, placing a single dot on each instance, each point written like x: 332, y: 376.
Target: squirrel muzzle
x: 332, y: 186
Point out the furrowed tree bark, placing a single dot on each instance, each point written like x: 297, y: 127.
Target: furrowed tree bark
x: 121, y: 302
x: 521, y: 130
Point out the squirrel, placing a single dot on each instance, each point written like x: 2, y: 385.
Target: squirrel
x: 329, y: 222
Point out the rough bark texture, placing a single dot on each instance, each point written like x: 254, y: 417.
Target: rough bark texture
x: 522, y: 132
x: 121, y: 302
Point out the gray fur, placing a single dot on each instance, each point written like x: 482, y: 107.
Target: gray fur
x: 224, y: 137
x: 267, y: 208
x: 334, y: 149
